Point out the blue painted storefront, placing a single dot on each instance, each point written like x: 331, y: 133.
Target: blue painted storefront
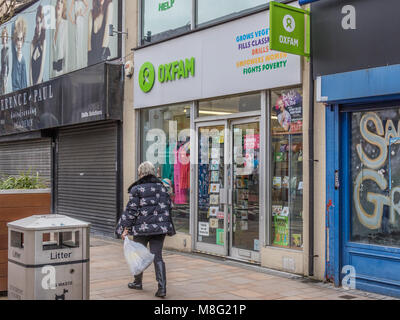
x: 377, y: 267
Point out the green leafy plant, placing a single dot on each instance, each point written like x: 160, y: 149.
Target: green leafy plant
x: 25, y: 180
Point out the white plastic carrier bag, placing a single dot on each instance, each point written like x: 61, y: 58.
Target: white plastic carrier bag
x: 137, y: 256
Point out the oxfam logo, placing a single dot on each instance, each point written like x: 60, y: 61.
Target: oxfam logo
x: 147, y: 77
x: 288, y: 23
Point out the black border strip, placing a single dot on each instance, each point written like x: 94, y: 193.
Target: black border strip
x: 31, y: 266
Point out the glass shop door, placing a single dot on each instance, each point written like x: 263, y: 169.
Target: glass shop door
x: 211, y: 195
x: 244, y: 187
x: 228, y: 189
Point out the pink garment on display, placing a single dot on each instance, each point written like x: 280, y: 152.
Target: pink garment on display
x: 181, y: 175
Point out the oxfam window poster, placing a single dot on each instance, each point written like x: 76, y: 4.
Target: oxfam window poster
x: 289, y: 111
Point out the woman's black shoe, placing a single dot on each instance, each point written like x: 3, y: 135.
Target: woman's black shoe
x: 137, y: 283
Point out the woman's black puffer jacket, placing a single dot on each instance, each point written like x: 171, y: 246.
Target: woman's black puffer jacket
x: 148, y: 211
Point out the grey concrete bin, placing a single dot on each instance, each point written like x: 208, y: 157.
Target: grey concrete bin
x: 48, y: 258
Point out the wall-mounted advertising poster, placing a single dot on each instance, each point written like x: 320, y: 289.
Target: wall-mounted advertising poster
x: 54, y: 37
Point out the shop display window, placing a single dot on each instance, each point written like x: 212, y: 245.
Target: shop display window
x: 208, y: 12
x: 287, y: 169
x: 165, y: 19
x: 165, y: 142
x: 375, y: 177
x: 230, y: 105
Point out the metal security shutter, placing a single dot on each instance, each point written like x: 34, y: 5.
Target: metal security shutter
x: 87, y: 175
x: 21, y: 156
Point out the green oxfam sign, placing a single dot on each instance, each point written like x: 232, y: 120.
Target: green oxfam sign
x: 289, y: 29
x: 166, y: 72
x: 146, y: 77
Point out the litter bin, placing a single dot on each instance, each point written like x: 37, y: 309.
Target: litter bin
x: 48, y: 258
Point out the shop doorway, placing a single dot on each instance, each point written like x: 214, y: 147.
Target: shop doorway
x: 228, y: 188
x: 370, y: 220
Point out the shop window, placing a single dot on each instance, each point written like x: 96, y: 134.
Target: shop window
x: 165, y: 134
x: 375, y: 176
x: 208, y: 12
x: 230, y: 105
x: 165, y: 18
x: 287, y: 169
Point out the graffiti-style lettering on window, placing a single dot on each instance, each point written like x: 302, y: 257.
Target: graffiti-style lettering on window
x: 376, y: 176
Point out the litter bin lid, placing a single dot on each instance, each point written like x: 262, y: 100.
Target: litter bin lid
x: 48, y: 222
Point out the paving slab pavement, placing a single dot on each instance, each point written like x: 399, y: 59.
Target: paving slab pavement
x: 199, y: 277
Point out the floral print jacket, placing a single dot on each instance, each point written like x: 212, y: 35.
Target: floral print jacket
x: 148, y: 211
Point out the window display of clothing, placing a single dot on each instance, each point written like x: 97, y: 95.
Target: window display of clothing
x: 168, y: 166
x: 181, y: 176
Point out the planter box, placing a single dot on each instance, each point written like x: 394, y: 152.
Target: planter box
x: 15, y: 205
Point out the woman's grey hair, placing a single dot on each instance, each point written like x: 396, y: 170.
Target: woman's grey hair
x: 145, y: 169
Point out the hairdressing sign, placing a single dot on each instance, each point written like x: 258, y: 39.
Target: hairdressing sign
x: 78, y: 97
x: 231, y: 58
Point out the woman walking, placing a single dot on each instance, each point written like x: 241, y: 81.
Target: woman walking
x: 148, y: 218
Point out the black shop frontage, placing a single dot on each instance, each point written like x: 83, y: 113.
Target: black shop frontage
x: 67, y: 131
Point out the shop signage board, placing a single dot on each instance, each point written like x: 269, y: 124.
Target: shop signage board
x: 289, y: 29
x: 351, y: 35
x: 231, y: 58
x: 77, y: 97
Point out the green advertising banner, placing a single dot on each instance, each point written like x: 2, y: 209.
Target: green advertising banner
x: 289, y: 29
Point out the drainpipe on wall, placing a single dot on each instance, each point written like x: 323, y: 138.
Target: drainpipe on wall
x: 311, y: 168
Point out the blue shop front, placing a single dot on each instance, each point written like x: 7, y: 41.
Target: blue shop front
x: 357, y: 71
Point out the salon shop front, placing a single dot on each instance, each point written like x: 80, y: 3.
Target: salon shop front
x: 221, y: 117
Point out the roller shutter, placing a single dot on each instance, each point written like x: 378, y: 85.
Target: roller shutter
x: 21, y: 156
x: 87, y: 175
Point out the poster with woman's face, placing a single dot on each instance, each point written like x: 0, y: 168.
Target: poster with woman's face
x: 54, y: 37
x: 80, y: 37
x: 289, y: 110
x: 19, y: 34
x: 39, y: 44
x: 100, y: 17
x: 5, y: 59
